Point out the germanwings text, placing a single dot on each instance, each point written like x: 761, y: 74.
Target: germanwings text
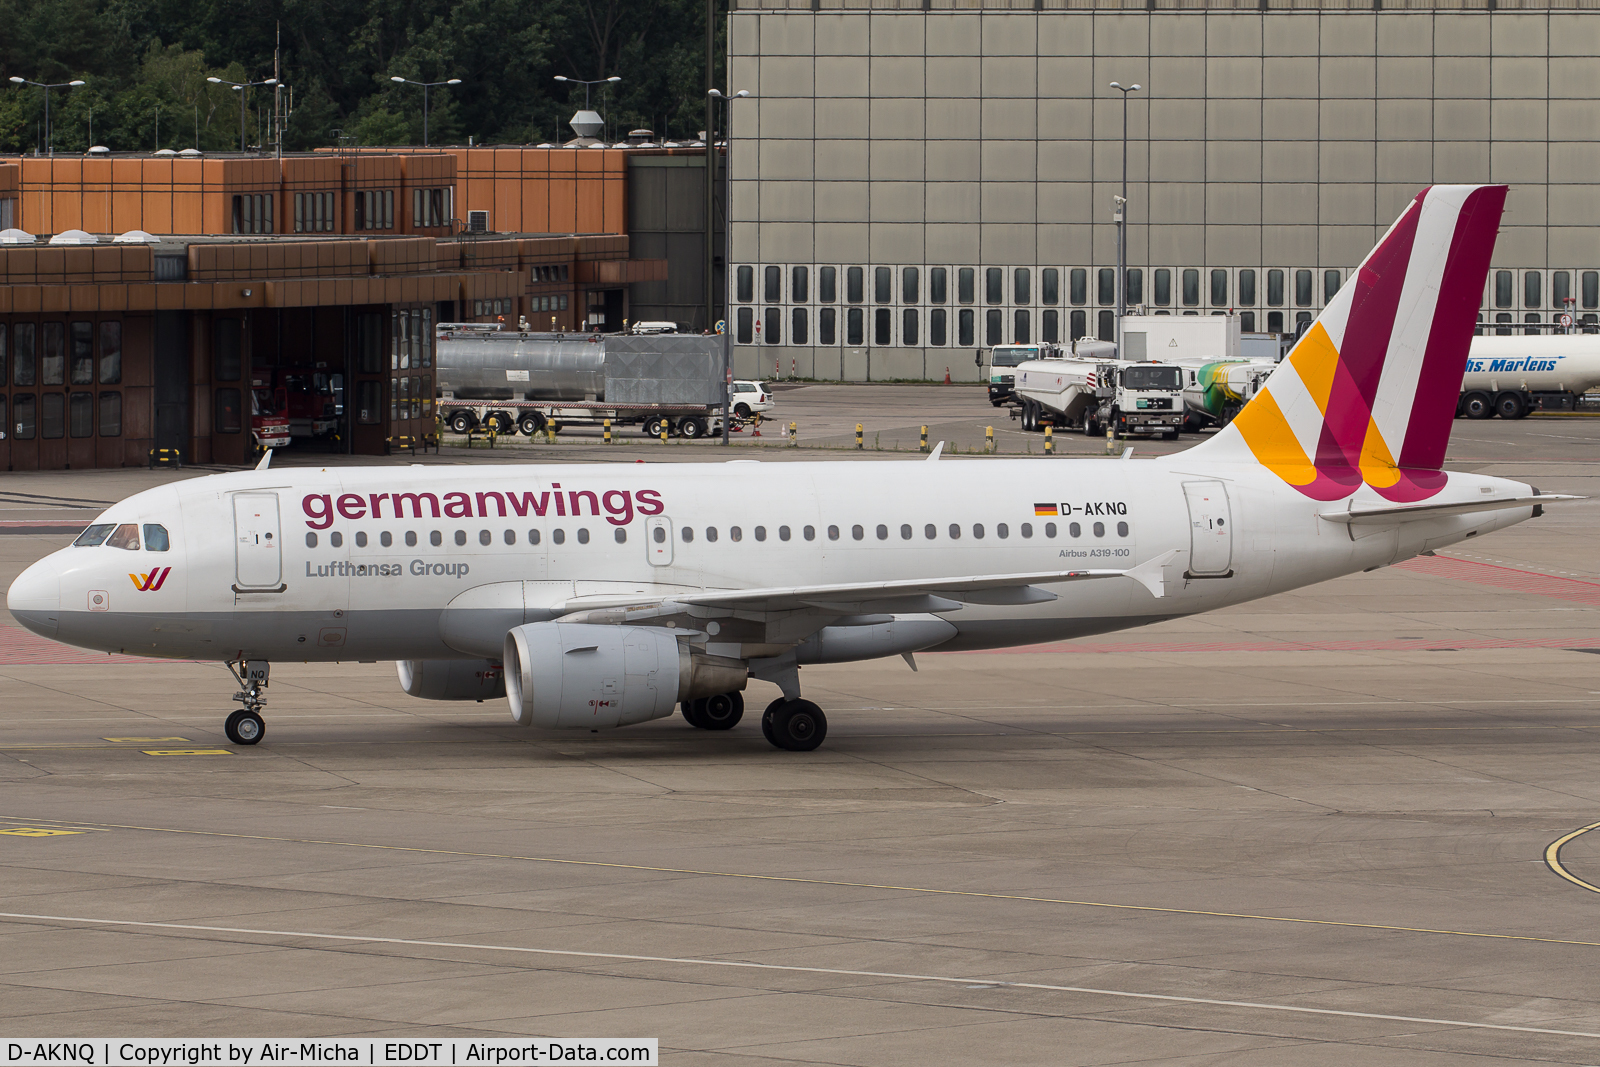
x: 617, y: 505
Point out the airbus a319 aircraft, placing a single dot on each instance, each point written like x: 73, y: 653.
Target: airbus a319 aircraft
x: 598, y: 595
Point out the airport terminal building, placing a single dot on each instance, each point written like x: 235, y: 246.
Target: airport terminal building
x: 915, y: 180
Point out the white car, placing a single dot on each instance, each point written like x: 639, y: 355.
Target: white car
x: 749, y: 398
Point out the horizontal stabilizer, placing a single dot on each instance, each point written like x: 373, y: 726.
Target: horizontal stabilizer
x: 1397, y: 513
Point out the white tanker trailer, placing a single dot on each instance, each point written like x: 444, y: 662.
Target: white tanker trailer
x: 1511, y: 376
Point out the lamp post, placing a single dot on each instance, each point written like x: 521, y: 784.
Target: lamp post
x: 240, y: 87
x: 586, y: 84
x: 727, y: 241
x: 425, y: 87
x: 1118, y: 215
x: 49, y: 148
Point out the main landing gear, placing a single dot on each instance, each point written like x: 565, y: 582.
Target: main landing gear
x: 245, y: 726
x: 796, y: 725
x: 720, y: 712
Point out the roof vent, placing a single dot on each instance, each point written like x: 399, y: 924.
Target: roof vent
x: 587, y: 124
x: 165, y: 152
x: 135, y: 237
x: 16, y: 237
x: 74, y: 237
x: 99, y: 150
x: 477, y: 222
x: 191, y: 153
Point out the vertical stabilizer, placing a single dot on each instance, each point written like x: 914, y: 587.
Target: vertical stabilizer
x: 1368, y: 394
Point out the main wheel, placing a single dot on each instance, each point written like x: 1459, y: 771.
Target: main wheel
x: 692, y: 713
x: 652, y: 426
x: 498, y: 421
x: 795, y: 725
x: 1477, y: 406
x: 1030, y: 420
x: 692, y: 427
x: 1510, y: 406
x: 462, y: 422
x: 530, y: 424
x: 244, y: 727
x: 721, y: 712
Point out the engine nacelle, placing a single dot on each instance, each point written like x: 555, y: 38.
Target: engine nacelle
x: 582, y: 675
x: 452, y: 679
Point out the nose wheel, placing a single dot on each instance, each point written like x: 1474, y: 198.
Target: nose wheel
x: 246, y: 726
x: 794, y: 725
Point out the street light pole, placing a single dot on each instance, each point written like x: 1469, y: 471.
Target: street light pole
x: 49, y: 146
x: 425, y: 87
x: 1120, y: 216
x: 727, y: 244
x: 240, y: 88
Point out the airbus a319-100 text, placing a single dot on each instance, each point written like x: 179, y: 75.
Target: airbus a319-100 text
x: 597, y: 596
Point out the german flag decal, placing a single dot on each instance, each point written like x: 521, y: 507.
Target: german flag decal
x: 1045, y: 509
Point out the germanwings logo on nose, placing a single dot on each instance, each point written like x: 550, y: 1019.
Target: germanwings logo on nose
x: 149, y: 583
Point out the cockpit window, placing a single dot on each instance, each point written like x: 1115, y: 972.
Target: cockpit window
x: 95, y: 535
x: 155, y: 537
x: 126, y: 536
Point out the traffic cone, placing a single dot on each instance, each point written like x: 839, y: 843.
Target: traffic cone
x: 757, y: 432
x: 947, y: 376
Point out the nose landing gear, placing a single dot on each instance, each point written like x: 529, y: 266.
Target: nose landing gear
x: 245, y: 726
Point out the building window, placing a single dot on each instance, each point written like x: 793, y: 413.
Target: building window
x: 746, y: 318
x: 993, y: 285
x: 797, y: 327
x: 1331, y: 280
x: 936, y: 327
x: 828, y: 284
x: 854, y: 285
x: 965, y: 282
x: 53, y: 354
x: 827, y: 326
x: 774, y: 326
x: 52, y: 416
x: 1531, y: 285
x: 908, y: 326
x: 110, y: 353
x: 1163, y: 294
x: 1108, y: 326
x: 964, y: 328
x: 1560, y: 289
x: 854, y: 326
x: 1021, y: 284
x: 228, y: 411
x: 882, y: 285
x: 936, y: 285
x: 1106, y: 286
x: 1078, y: 286
x: 80, y: 362
x: 1247, y: 288
x: 315, y: 212
x: 374, y: 209
x: 1503, y: 324
x: 772, y: 284
x: 1134, y: 280
x: 1302, y: 319
x: 992, y: 328
x: 1191, y: 287
x: 1533, y: 321
x: 1302, y: 289
x: 431, y: 207
x: 25, y: 414
x: 1275, y: 289
x: 80, y: 415
x: 111, y: 414
x: 24, y: 365
x: 1219, y: 288
x: 1050, y: 327
x: 4, y: 372
x: 1591, y: 288
x: 1274, y: 322
x: 1050, y: 286
x: 1019, y: 326
x: 252, y: 213
x: 746, y: 285
x: 882, y: 327
x: 1080, y: 324
x: 1247, y: 322
x: 910, y: 285
x: 798, y: 286
x: 369, y: 403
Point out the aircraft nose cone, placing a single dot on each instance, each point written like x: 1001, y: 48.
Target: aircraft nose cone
x: 34, y: 599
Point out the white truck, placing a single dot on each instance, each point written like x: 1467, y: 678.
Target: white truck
x: 1511, y: 376
x: 1093, y: 396
x: 1223, y: 367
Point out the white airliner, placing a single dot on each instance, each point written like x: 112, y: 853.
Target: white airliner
x: 601, y: 595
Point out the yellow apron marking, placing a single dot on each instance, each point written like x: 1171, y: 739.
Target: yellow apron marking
x: 188, y: 752
x: 1552, y: 857
x: 38, y: 831
x: 148, y: 740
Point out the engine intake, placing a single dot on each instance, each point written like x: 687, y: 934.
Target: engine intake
x: 452, y: 679
x: 588, y: 676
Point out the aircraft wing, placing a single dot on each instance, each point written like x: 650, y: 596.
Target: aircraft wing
x: 1373, y: 516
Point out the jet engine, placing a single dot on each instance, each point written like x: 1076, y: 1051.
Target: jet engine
x: 452, y: 679
x: 584, y: 675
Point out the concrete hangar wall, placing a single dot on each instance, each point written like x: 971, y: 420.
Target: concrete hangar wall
x: 915, y: 180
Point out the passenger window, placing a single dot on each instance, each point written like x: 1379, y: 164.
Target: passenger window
x: 510, y: 536
x: 1049, y: 529
x: 336, y: 539
x: 1026, y: 529
x: 385, y: 539
x: 810, y: 533
x: 1074, y: 530
x: 125, y: 536
x: 1122, y: 529
x: 833, y: 533
x: 435, y: 539
x: 620, y: 535
x: 1099, y: 529
x: 857, y: 532
x: 783, y: 533
x: 583, y: 535
x: 485, y: 537
x: 559, y: 536
x: 905, y: 532
x: 711, y: 533
x: 361, y: 539
x: 411, y: 539
x: 97, y: 534
x: 659, y: 535
x: 735, y: 533
x: 311, y: 540
x: 955, y: 531
x: 1002, y: 531
x: 461, y: 537
x: 883, y: 532
x: 930, y: 531
x: 533, y: 537
x: 761, y: 533
x: 688, y: 535
x: 977, y: 529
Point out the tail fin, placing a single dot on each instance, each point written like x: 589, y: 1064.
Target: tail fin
x: 1381, y: 366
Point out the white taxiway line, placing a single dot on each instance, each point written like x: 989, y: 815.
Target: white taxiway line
x: 840, y: 972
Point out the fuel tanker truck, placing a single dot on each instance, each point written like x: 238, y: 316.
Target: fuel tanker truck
x: 519, y: 380
x: 1216, y: 390
x: 1511, y: 376
x: 1099, y: 395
